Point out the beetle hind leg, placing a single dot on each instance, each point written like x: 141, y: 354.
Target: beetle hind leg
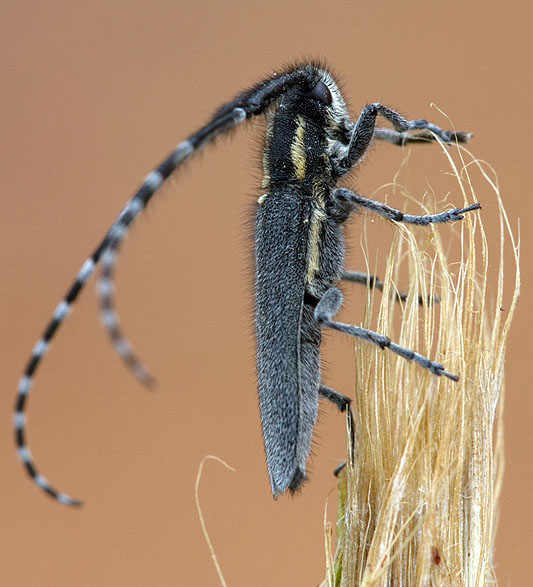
x: 344, y: 404
x: 329, y: 305
x: 341, y: 401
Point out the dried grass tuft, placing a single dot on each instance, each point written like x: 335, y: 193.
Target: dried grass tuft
x: 419, y: 505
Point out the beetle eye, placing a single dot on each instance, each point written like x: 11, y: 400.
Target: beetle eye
x: 321, y: 92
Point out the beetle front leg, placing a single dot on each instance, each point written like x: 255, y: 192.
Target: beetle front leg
x: 364, y: 130
x: 402, y: 138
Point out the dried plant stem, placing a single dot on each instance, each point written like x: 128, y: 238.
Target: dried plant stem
x: 201, y: 515
x: 419, y: 504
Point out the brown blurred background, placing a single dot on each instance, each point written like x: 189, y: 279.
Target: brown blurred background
x: 93, y: 95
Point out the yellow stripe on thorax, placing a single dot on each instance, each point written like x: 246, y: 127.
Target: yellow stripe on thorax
x: 318, y: 216
x: 298, y: 154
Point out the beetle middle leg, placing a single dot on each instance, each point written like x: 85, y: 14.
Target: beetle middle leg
x: 373, y: 282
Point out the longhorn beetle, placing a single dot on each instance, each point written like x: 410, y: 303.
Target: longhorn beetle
x: 310, y: 145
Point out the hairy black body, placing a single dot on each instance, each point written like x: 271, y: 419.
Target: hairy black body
x: 299, y: 254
